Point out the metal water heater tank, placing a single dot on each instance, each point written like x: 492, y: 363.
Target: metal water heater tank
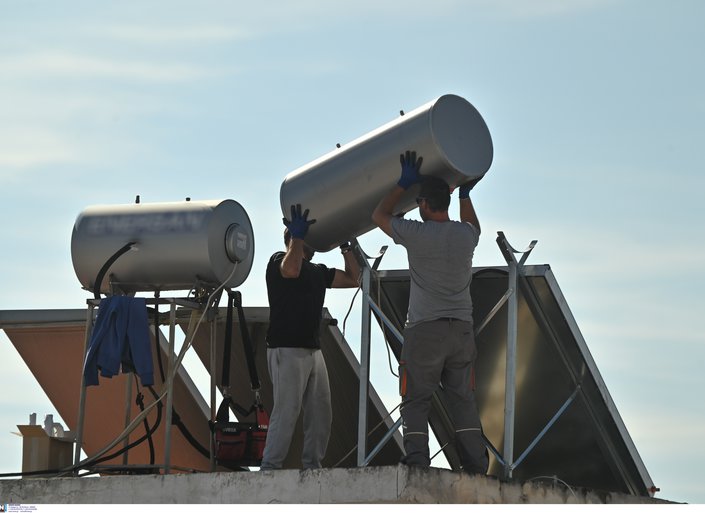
x: 342, y: 188
x: 177, y: 245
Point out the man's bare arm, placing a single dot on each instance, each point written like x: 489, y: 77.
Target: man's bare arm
x: 293, y: 259
x: 467, y: 213
x: 383, y: 213
x: 350, y: 277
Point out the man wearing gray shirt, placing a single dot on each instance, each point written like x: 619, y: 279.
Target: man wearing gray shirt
x: 439, y: 343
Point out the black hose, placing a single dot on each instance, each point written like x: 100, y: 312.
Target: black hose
x: 140, y: 402
x: 144, y: 437
x: 103, y: 270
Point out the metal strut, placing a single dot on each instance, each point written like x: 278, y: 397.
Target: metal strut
x: 365, y: 336
x: 515, y: 269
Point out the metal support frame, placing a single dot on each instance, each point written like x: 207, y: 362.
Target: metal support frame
x: 128, y: 407
x: 368, y: 305
x: 387, y: 436
x: 169, y: 383
x: 364, y: 367
x: 170, y: 388
x: 515, y: 268
x: 550, y: 423
x: 511, y: 299
x: 82, y: 395
x: 213, y: 361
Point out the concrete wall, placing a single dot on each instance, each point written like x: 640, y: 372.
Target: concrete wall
x: 393, y: 484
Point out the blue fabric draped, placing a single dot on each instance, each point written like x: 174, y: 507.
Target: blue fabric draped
x: 120, y: 338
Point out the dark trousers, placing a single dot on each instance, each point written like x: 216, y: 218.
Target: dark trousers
x: 441, y: 352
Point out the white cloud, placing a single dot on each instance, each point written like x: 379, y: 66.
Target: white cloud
x: 176, y: 34
x: 51, y: 64
x: 283, y: 16
x: 423, y: 8
x: 651, y: 429
x: 542, y: 8
x: 589, y: 249
x: 21, y: 149
x: 30, y: 147
x: 48, y: 125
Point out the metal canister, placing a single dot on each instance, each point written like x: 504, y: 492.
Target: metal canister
x: 176, y: 245
x: 342, y: 188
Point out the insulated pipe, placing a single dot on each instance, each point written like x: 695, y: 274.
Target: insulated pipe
x: 342, y: 188
x: 176, y: 245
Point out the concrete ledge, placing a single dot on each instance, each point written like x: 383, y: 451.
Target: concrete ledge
x: 392, y: 484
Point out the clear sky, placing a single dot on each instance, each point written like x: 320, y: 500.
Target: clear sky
x: 596, y: 109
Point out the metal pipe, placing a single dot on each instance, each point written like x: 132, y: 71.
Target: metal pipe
x: 82, y: 394
x: 510, y: 376
x: 512, y: 325
x: 128, y: 411
x: 494, y: 310
x: 388, y: 436
x: 546, y: 428
x: 213, y: 387
x: 364, y: 367
x: 386, y: 320
x: 169, y: 389
x: 494, y: 451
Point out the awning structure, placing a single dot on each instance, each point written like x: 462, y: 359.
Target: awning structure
x: 51, y: 342
x: 566, y: 424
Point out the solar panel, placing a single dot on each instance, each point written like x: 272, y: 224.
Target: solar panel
x: 559, y: 389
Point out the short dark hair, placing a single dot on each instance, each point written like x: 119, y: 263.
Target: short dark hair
x: 436, y: 192
x: 287, y: 237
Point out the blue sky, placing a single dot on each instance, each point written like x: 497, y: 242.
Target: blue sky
x: 596, y: 109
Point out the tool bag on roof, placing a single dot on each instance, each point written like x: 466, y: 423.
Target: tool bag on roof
x: 239, y: 443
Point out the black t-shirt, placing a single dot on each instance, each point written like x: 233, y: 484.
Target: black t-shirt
x: 296, y: 304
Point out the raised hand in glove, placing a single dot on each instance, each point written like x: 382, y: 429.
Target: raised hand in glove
x: 464, y: 190
x: 298, y: 226
x: 410, y: 167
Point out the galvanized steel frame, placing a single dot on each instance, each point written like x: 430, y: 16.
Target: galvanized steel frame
x: 169, y: 384
x: 510, y: 298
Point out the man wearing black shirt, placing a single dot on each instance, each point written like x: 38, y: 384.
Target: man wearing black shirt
x: 296, y: 291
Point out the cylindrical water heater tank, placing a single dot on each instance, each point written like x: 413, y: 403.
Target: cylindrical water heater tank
x: 177, y: 245
x: 341, y: 189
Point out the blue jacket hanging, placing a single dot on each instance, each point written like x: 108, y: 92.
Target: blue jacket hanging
x: 120, y: 338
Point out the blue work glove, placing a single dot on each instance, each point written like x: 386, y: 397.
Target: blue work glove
x: 410, y: 167
x: 298, y: 226
x: 464, y: 190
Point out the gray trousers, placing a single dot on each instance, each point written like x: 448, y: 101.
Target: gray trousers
x: 441, y: 351
x: 299, y: 379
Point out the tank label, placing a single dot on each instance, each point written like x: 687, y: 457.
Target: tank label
x: 130, y: 224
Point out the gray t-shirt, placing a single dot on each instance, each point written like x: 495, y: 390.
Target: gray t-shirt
x: 440, y: 264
